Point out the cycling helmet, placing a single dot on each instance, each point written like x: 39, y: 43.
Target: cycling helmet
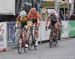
x: 23, y: 13
x: 52, y: 12
x: 33, y: 10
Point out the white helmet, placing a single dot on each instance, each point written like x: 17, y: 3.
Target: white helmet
x: 23, y: 13
x: 52, y: 12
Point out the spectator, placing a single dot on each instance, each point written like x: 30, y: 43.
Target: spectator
x: 72, y: 16
x: 67, y: 15
x: 61, y: 16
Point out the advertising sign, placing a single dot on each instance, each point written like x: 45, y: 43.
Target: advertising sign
x: 71, y: 28
x: 64, y: 33
x: 3, y: 37
x: 11, y: 33
x: 44, y: 35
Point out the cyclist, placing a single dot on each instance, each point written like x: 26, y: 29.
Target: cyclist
x: 22, y: 19
x: 34, y: 17
x: 53, y: 21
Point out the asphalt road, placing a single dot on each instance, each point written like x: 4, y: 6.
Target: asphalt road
x: 65, y: 50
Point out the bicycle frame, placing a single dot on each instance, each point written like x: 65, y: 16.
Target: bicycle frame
x: 22, y: 41
x: 53, y: 38
x: 32, y: 41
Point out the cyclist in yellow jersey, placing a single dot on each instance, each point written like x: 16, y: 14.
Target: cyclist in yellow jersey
x: 22, y: 18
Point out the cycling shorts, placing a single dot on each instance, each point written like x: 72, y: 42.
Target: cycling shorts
x: 53, y: 23
x: 23, y: 24
x: 34, y: 21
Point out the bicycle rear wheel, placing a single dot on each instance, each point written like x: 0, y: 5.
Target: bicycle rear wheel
x: 51, y: 40
x: 30, y: 41
x: 56, y: 41
x: 21, y: 46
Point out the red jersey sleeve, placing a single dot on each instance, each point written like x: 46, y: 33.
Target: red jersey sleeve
x: 29, y: 15
x: 37, y: 15
x: 18, y: 17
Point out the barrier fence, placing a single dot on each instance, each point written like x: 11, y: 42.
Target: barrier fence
x: 3, y: 36
x: 71, y: 28
x: 7, y: 33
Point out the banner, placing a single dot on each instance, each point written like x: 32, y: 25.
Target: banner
x: 64, y: 29
x: 11, y: 33
x: 44, y: 34
x: 3, y: 35
x: 71, y: 28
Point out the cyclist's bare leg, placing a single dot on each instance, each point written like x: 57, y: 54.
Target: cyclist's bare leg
x: 36, y: 39
x: 25, y: 36
x: 35, y: 35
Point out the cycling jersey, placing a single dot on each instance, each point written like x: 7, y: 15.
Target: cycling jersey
x: 33, y: 17
x: 53, y: 19
x: 22, y: 20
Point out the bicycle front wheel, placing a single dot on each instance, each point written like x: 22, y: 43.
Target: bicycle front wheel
x: 19, y: 46
x: 51, y: 40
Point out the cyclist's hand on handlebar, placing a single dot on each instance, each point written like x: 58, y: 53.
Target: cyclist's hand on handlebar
x: 30, y: 24
x: 46, y: 28
x: 14, y: 28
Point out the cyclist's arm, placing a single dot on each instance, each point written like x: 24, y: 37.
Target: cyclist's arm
x: 38, y: 19
x: 48, y: 21
x: 28, y: 16
x: 38, y: 22
x: 57, y: 18
x: 57, y: 25
x: 29, y: 20
x: 58, y: 21
x: 17, y: 21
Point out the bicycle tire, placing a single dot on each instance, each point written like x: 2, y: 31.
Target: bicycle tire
x: 56, y: 41
x: 19, y: 47
x: 32, y: 41
x: 24, y: 41
x: 29, y: 42
x: 21, y: 44
x: 51, y: 40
